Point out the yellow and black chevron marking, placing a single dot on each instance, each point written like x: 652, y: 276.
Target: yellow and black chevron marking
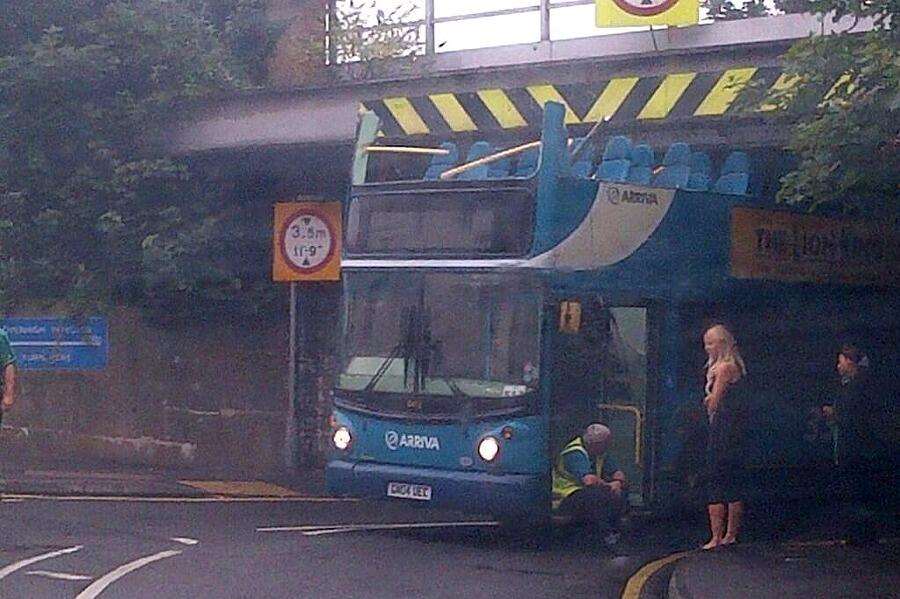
x: 672, y: 96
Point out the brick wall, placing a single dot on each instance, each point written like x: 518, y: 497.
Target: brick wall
x: 220, y: 386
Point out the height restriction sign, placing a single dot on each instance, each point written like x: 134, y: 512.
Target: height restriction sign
x: 307, y: 242
x: 623, y: 13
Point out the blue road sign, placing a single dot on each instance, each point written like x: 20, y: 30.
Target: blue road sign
x: 58, y: 343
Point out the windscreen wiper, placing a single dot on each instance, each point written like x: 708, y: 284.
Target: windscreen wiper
x: 405, y: 348
x: 383, y: 368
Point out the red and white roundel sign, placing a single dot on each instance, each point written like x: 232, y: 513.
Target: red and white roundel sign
x: 645, y: 8
x: 307, y: 241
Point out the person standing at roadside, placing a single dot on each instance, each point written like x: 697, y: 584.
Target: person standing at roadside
x: 853, y: 417
x: 850, y: 414
x: 725, y: 373
x: 7, y: 373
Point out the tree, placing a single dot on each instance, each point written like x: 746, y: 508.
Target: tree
x: 847, y: 144
x: 728, y: 10
x: 87, y: 215
x: 362, y: 35
x: 365, y: 33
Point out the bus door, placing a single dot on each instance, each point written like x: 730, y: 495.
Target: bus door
x: 600, y: 374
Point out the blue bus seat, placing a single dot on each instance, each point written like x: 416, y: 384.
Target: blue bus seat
x: 676, y: 167
x: 701, y: 166
x: 582, y: 169
x: 499, y: 169
x: 442, y: 162
x: 479, y: 149
x: 698, y: 182
x: 735, y: 176
x: 732, y: 183
x: 527, y: 163
x: 700, y: 163
x: 736, y: 162
x: 641, y: 169
x: 614, y: 170
x: 616, y: 159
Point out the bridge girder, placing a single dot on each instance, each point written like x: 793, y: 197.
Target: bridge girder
x: 680, y: 84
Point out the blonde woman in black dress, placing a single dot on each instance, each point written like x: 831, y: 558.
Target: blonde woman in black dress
x: 725, y: 372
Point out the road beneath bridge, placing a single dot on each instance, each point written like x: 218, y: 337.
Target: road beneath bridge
x: 298, y: 544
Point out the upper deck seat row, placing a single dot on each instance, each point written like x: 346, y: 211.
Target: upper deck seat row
x: 621, y: 162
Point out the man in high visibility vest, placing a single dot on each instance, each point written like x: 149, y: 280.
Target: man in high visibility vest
x: 587, y: 484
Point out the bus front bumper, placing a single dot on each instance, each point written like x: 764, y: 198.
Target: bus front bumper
x: 503, y: 495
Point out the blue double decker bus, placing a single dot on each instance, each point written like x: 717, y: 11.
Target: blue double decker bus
x: 488, y: 318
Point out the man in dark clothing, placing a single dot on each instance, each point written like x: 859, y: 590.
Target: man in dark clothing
x: 852, y: 413
x: 587, y: 484
x: 853, y: 419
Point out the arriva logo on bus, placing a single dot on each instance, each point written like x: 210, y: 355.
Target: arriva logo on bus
x: 616, y: 196
x: 395, y: 440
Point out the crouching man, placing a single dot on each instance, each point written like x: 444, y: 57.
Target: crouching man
x: 588, y: 487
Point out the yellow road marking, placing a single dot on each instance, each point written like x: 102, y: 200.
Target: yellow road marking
x: 453, y: 112
x: 724, y: 92
x: 636, y: 583
x: 611, y: 99
x: 666, y: 95
x: 502, y: 108
x: 252, y: 488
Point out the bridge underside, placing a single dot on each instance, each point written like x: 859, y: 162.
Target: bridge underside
x: 671, y: 85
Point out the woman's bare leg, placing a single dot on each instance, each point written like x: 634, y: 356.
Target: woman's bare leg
x: 716, y: 524
x: 735, y: 513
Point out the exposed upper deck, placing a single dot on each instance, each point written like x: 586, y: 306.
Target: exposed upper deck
x: 669, y: 231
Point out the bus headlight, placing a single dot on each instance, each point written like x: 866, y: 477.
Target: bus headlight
x: 488, y: 448
x: 342, y: 438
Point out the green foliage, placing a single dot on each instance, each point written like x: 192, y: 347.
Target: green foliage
x: 363, y: 32
x: 847, y: 132
x: 83, y: 86
x: 728, y: 10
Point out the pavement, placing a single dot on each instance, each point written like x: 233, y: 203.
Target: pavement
x: 109, y: 480
x: 828, y: 568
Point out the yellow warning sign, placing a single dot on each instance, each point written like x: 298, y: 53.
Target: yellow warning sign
x: 307, y: 241
x: 619, y: 13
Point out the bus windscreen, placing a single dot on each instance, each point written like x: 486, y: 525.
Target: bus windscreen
x: 441, y: 223
x: 440, y: 335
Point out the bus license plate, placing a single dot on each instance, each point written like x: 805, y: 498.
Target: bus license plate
x: 409, y: 491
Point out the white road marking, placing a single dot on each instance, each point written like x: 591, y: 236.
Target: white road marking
x: 184, y: 540
x: 335, y: 528
x: 215, y: 499
x: 58, y: 575
x: 5, y: 500
x: 37, y: 558
x: 99, y: 585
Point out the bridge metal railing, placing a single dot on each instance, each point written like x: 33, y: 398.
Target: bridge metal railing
x: 431, y: 20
